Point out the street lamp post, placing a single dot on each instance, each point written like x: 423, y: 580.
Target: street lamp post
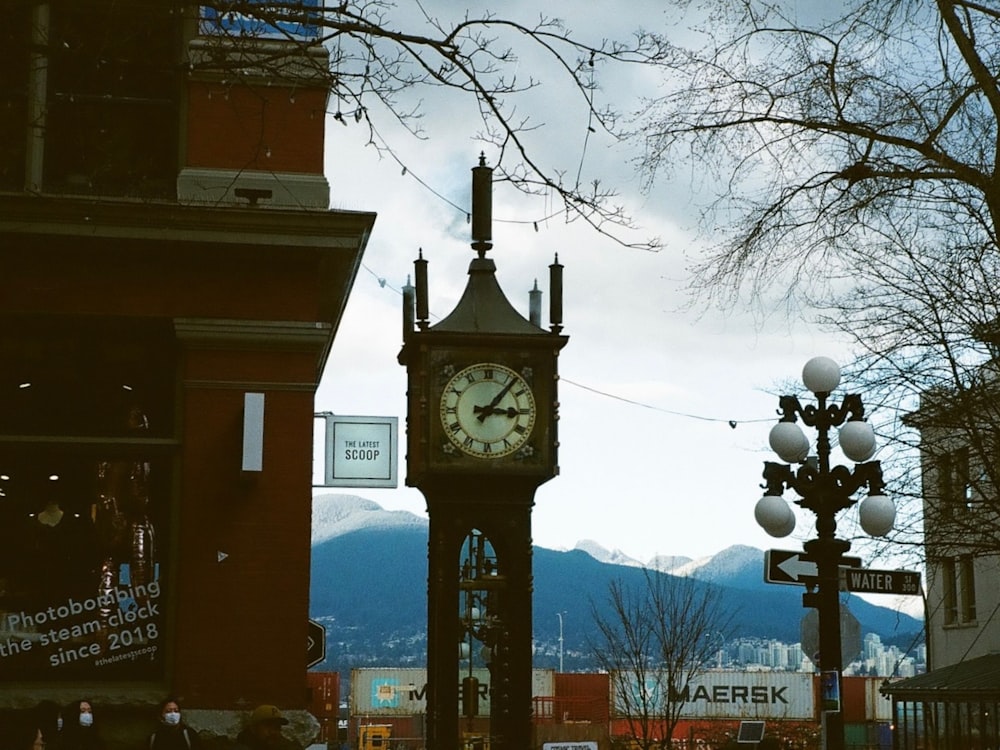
x: 560, y: 616
x: 825, y: 491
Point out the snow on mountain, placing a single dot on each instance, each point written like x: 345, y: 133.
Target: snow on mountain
x: 670, y: 563
x: 728, y: 562
x: 333, y: 515
x: 336, y: 514
x: 602, y: 554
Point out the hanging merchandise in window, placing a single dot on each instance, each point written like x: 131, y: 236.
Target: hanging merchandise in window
x: 81, y: 566
x: 81, y: 586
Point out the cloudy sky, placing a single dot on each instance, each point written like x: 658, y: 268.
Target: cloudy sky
x: 650, y: 462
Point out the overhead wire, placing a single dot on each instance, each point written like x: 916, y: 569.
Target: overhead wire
x: 733, y: 423
x: 407, y: 172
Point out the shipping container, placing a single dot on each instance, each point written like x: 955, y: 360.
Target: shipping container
x: 586, y: 697
x: 743, y: 695
x: 403, y: 692
x: 324, y: 694
x: 582, y: 684
x: 579, y: 697
x: 878, y: 707
x: 323, y: 699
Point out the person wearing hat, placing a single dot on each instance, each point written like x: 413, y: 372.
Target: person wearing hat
x: 263, y: 731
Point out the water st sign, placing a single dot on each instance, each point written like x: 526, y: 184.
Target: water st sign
x: 865, y: 581
x: 795, y: 567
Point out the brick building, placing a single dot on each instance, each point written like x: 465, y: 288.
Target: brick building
x: 172, y: 282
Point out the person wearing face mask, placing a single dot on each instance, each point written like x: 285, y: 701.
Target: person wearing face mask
x: 172, y: 733
x: 80, y: 730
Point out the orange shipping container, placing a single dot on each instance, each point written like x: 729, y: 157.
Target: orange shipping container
x: 324, y: 694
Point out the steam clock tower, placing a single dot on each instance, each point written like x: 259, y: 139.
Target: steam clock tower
x: 481, y: 438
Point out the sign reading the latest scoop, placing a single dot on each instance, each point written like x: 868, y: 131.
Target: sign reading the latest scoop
x: 361, y: 451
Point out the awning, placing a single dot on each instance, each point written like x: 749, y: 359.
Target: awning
x: 975, y: 679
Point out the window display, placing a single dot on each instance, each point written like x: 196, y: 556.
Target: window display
x: 82, y: 570
x: 81, y: 583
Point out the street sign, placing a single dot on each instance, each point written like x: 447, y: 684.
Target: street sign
x: 784, y: 566
x: 360, y: 451
x: 795, y: 567
x: 850, y: 636
x: 315, y: 644
x: 864, y: 581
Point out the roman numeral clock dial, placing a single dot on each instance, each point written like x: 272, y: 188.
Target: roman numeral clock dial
x: 487, y: 410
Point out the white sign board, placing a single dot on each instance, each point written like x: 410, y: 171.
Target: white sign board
x: 361, y: 451
x: 569, y: 746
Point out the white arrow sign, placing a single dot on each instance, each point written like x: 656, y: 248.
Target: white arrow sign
x: 788, y: 566
x: 796, y: 568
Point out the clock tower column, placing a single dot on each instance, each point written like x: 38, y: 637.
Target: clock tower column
x: 482, y: 409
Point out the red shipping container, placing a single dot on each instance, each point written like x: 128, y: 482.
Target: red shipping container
x: 324, y: 694
x: 582, y: 697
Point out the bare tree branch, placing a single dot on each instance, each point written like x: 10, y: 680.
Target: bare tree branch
x: 660, y: 635
x: 855, y: 156
x: 379, y: 69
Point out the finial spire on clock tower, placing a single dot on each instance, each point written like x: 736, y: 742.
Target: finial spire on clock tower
x: 482, y: 207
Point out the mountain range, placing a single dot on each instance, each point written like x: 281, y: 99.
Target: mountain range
x: 369, y: 590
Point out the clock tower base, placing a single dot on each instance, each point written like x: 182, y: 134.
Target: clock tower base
x: 479, y: 597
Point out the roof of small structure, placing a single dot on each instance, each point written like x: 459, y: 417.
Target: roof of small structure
x: 484, y: 308
x: 979, y: 678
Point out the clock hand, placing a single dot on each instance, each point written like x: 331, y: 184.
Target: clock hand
x: 486, y: 411
x: 490, y: 408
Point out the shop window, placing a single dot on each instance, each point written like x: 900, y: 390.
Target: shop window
x: 85, y: 473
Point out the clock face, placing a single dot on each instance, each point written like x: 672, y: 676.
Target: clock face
x: 487, y: 410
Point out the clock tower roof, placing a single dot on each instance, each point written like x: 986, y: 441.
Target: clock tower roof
x: 484, y: 308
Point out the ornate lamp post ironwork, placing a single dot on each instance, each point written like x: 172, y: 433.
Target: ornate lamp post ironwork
x: 825, y: 491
